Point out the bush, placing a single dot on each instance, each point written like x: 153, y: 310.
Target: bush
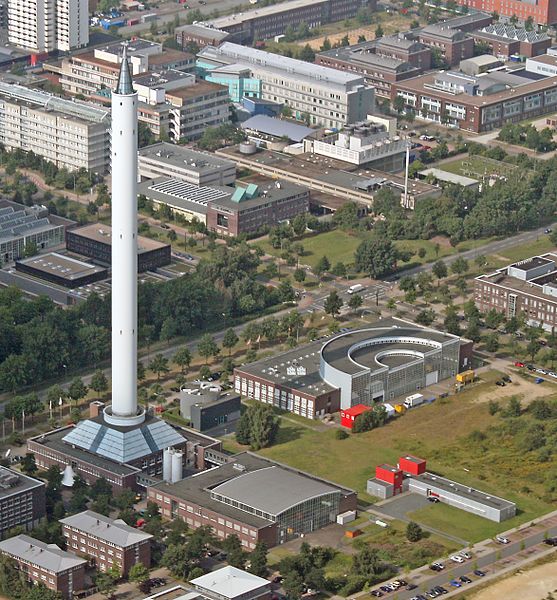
x: 493, y: 407
x: 341, y: 434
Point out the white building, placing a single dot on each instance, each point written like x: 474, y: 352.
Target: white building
x: 48, y: 25
x: 70, y: 134
x: 329, y: 97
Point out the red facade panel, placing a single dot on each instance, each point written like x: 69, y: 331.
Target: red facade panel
x: 389, y: 474
x: 412, y: 465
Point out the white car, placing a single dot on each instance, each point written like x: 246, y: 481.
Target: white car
x: 457, y: 559
x: 439, y: 564
x: 502, y: 539
x: 465, y: 554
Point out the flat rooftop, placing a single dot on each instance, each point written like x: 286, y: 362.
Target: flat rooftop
x: 197, y: 89
x: 463, y: 490
x: 268, y: 193
x: 14, y: 482
x: 103, y: 233
x: 229, y: 582
x: 184, y: 158
x: 363, y: 54
x: 449, y: 177
x: 531, y: 263
x: 170, y: 55
x: 160, y: 78
x: 136, y: 46
x: 63, y: 266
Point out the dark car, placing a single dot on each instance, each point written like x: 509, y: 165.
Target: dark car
x: 500, y: 383
x: 551, y: 541
x: 479, y: 573
x: 465, y: 579
x: 435, y: 567
x: 411, y: 586
x: 277, y: 579
x: 506, y: 379
x: 440, y: 589
x: 377, y: 593
x: 433, y: 499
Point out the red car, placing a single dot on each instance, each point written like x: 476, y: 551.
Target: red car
x: 519, y: 364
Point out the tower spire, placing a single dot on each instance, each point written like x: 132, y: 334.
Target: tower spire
x: 124, y: 85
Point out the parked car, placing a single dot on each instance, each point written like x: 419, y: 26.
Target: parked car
x: 547, y: 230
x: 457, y: 559
x: 411, y: 586
x: 500, y: 383
x: 552, y: 541
x: 433, y: 499
x: 502, y: 539
x: 465, y: 554
x: 465, y: 579
x: 519, y: 364
x: 455, y: 583
x: 440, y: 589
x: 377, y: 593
x: 506, y: 379
x: 479, y: 573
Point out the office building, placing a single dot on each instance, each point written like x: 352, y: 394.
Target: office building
x: 95, y: 73
x: 410, y: 475
x: 230, y: 583
x: 205, y: 405
x: 26, y: 226
x: 543, y: 12
x: 70, y: 134
x: 322, y: 95
x: 478, y: 103
x: 367, y: 143
x: 178, y: 162
x: 95, y: 241
x: 545, y: 65
x: 199, y: 35
x: 454, y: 45
x: 527, y: 289
x: 505, y: 41
x: 59, y: 571
x: 373, y: 364
x: 255, y: 499
x: 61, y: 270
x: 174, y: 103
x: 124, y: 444
x: 48, y: 25
x: 270, y: 21
x: 22, y: 501
x: 256, y: 207
x: 107, y: 543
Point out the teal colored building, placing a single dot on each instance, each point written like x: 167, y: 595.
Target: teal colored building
x: 236, y: 77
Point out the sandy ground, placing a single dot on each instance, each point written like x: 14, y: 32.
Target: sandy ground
x: 353, y: 35
x: 526, y: 389
x: 534, y: 584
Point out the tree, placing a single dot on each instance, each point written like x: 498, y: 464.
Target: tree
x: 99, y: 382
x: 138, y: 574
x: 77, y: 390
x: 376, y: 257
x: 28, y: 464
x: 355, y: 301
x: 425, y: 317
x: 339, y: 269
x: 491, y: 342
x: 258, y: 426
x: 326, y: 45
x: 333, y: 304
x: 533, y: 348
x: 414, y: 532
x: 233, y: 548
x: 299, y: 275
x: 323, y: 265
x: 293, y: 585
x: 229, y: 340
x: 459, y: 266
x: 106, y: 583
x: 439, y: 270
x: 398, y: 104
x: 494, y: 318
x: 159, y: 365
x: 258, y: 560
x: 182, y: 358
x: 379, y: 32
x: 207, y: 347
x: 307, y: 54
x: 514, y: 408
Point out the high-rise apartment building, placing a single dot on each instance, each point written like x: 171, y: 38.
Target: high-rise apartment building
x: 48, y: 25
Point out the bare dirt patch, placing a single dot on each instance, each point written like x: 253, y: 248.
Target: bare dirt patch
x: 525, y: 388
x: 533, y: 584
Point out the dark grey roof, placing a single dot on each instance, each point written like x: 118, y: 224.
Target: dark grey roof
x: 440, y: 30
x: 184, y: 158
x: 124, y: 86
x: 509, y: 32
x: 46, y: 556
x: 277, y: 127
x: 13, y: 482
x: 272, y: 489
x: 115, y: 531
x: 123, y: 444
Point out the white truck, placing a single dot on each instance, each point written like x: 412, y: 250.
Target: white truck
x: 413, y: 400
x: 357, y: 287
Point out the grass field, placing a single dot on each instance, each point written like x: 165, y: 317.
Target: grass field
x: 539, y: 246
x: 339, y: 246
x: 477, y: 166
x: 440, y: 433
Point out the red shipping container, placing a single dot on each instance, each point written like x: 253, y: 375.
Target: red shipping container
x: 348, y: 415
x: 412, y: 464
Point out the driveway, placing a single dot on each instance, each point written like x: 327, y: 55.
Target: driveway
x: 399, y: 506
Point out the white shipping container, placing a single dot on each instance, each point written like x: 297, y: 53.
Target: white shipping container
x: 346, y: 517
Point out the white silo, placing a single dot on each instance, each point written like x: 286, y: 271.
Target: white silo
x: 177, y: 466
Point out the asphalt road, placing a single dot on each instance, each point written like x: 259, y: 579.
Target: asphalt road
x: 485, y: 249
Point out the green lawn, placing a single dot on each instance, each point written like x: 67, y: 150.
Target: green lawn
x: 438, y: 432
x: 477, y: 166
x: 540, y: 246
x: 459, y: 523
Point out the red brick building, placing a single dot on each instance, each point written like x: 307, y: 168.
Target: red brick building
x: 504, y: 41
x: 255, y: 499
x: 454, y: 45
x: 22, y: 501
x: 47, y: 564
x: 543, y: 12
x: 106, y: 542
